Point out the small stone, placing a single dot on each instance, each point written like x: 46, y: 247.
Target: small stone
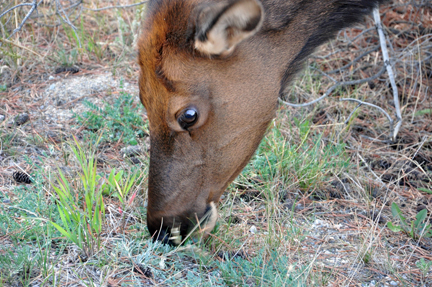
x: 51, y: 87
x: 2, y: 118
x: 135, y: 160
x: 162, y: 263
x: 6, y: 201
x: 131, y: 150
x: 21, y: 119
x: 253, y: 229
x: 51, y: 78
x: 393, y: 283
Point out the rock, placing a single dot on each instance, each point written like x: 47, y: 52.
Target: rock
x: 253, y: 229
x: 131, y: 150
x: 21, y: 119
x: 135, y: 160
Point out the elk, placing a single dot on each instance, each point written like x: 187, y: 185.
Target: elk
x: 211, y: 72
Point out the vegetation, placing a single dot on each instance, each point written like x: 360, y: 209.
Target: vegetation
x: 121, y: 121
x: 81, y: 207
x: 310, y: 209
x: 417, y: 229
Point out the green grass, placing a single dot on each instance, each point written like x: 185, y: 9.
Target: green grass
x: 29, y: 238
x: 306, y: 164
x: 272, y: 269
x: 122, y: 120
x: 9, y: 140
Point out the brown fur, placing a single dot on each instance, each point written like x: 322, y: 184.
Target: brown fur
x: 235, y: 95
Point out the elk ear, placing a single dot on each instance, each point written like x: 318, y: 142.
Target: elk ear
x: 221, y: 26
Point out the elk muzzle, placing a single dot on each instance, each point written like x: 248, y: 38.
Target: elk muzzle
x: 174, y: 230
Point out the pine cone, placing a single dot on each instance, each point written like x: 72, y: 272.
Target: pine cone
x: 21, y: 177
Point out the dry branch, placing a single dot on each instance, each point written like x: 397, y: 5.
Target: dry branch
x: 32, y: 9
x: 65, y: 18
x: 353, y: 61
x: 64, y: 14
x: 387, y: 66
x: 332, y: 88
x: 116, y: 7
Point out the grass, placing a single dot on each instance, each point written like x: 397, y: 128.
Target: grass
x: 81, y: 207
x: 310, y: 209
x: 121, y: 121
x: 307, y: 163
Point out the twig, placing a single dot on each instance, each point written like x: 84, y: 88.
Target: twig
x: 360, y: 103
x: 324, y: 73
x: 352, y: 113
x: 359, y: 35
x: 332, y: 88
x: 19, y: 46
x: 15, y: 7
x: 66, y: 20
x: 353, y: 61
x: 326, y: 56
x: 115, y: 7
x: 387, y: 64
x: 32, y: 9
x: 56, y: 24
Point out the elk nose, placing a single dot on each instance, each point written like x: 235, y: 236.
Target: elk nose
x: 171, y: 237
x: 175, y: 234
x: 166, y: 234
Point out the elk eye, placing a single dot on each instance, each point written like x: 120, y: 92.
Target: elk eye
x: 188, y: 118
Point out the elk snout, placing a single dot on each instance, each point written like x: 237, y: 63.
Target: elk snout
x: 173, y: 230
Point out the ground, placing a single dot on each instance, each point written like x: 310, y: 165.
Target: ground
x: 329, y: 199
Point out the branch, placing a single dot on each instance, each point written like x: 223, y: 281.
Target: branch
x: 69, y: 8
x: 32, y: 9
x: 14, y: 7
x: 353, y: 61
x: 332, y: 88
x: 360, y: 103
x: 66, y: 20
x: 387, y: 64
x: 359, y: 35
x: 115, y: 7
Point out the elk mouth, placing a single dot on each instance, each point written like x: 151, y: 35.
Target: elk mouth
x: 177, y: 234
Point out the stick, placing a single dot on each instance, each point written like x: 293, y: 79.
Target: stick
x: 32, y: 9
x: 387, y: 64
x: 332, y: 88
x: 114, y: 7
x: 370, y: 105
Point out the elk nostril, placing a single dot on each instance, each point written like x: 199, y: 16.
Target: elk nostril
x: 208, y: 209
x: 162, y: 236
x: 171, y: 237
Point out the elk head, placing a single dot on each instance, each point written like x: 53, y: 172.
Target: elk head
x: 211, y: 73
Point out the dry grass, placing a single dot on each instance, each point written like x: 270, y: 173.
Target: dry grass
x: 324, y: 228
